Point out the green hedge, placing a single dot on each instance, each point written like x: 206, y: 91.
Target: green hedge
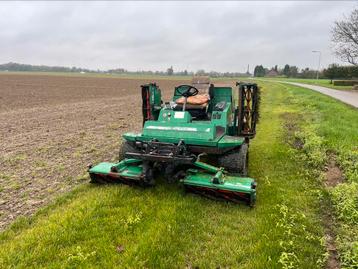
x: 345, y: 82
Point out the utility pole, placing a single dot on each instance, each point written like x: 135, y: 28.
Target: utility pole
x: 319, y: 61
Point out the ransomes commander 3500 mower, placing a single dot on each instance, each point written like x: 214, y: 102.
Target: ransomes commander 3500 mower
x: 202, y: 122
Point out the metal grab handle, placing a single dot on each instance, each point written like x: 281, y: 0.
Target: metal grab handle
x: 184, y: 105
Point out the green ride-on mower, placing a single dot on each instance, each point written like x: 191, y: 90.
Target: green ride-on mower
x: 202, y: 122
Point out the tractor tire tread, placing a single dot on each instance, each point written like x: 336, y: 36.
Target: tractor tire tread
x: 236, y: 160
x: 125, y: 147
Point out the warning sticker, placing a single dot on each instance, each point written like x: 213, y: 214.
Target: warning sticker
x: 179, y: 115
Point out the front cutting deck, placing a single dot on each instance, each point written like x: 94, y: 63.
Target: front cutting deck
x: 205, y: 179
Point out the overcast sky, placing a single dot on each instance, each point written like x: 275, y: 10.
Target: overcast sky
x: 222, y: 36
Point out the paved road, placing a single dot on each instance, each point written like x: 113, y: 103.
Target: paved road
x: 348, y: 97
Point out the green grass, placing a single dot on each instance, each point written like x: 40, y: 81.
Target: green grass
x: 331, y: 134
x: 120, y: 226
x: 319, y: 82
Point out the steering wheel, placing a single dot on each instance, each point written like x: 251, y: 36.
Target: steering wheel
x: 187, y: 90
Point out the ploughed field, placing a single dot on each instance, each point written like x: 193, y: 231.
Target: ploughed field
x: 51, y: 127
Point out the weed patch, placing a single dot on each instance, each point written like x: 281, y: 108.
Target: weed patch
x: 79, y: 257
x: 345, y: 200
x: 15, y: 160
x: 131, y: 221
x: 313, y: 148
x: 348, y: 160
x: 5, y: 177
x: 349, y: 253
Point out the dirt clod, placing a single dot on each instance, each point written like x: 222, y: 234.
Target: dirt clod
x: 120, y: 248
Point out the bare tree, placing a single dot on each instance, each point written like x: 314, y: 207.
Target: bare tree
x: 345, y: 38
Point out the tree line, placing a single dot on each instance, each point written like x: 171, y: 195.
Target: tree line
x: 287, y: 71
x: 40, y: 68
x: 169, y: 72
x: 333, y: 71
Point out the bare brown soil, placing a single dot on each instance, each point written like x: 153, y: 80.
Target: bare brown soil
x: 333, y: 174
x: 333, y: 177
x: 51, y: 127
x: 333, y: 258
x: 290, y: 124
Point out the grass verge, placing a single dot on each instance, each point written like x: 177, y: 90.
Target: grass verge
x: 328, y: 130
x: 319, y: 82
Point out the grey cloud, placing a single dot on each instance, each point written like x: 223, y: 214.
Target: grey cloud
x: 223, y: 36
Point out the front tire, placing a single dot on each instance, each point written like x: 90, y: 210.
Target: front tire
x: 125, y: 147
x: 236, y: 160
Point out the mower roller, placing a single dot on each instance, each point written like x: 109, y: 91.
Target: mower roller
x: 203, y: 121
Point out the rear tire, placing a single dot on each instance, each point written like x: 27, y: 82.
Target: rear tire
x: 125, y: 147
x: 236, y: 160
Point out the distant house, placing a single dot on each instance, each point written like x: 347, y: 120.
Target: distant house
x: 272, y: 73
